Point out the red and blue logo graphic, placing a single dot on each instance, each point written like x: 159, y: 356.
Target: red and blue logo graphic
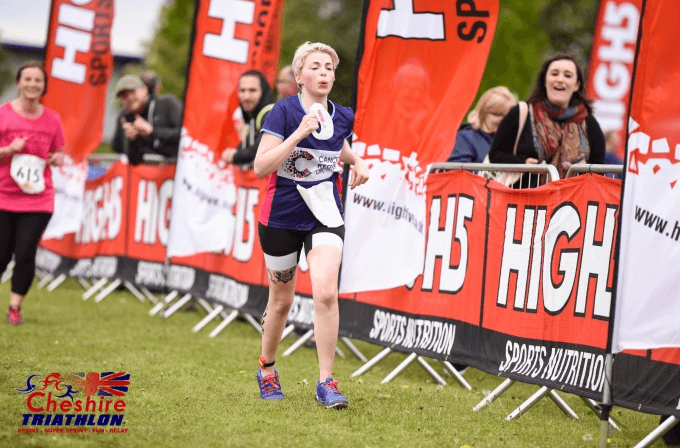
x: 105, y: 384
x: 66, y: 399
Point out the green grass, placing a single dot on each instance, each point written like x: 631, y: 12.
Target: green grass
x: 190, y: 390
x: 103, y: 148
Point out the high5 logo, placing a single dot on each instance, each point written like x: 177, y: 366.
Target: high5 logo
x: 408, y: 21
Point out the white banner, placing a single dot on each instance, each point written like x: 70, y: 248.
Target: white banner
x: 69, y: 191
x: 390, y: 208
x: 648, y: 295
x: 648, y: 289
x: 202, y: 201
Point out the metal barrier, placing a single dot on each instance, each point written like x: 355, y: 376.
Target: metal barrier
x: 538, y: 174
x: 607, y: 170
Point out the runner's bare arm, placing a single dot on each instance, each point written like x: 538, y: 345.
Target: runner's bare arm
x: 16, y: 146
x: 273, y: 151
x: 359, y: 169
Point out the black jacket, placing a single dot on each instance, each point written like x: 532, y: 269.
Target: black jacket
x: 504, y: 140
x: 167, y: 127
x: 247, y: 149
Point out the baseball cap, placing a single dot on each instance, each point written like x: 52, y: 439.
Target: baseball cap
x: 128, y: 82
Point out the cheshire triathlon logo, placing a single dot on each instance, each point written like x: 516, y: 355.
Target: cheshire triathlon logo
x: 75, y: 402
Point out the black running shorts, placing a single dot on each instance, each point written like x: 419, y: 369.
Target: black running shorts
x: 282, y: 247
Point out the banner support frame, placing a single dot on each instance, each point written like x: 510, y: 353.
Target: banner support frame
x: 211, y: 315
x: 99, y: 284
x: 659, y: 432
x: 108, y: 290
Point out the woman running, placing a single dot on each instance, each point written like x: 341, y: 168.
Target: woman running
x: 31, y: 139
x: 302, y: 206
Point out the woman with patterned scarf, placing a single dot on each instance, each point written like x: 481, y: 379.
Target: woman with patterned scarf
x: 560, y: 129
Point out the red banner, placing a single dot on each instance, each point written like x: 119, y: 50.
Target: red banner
x: 230, y: 38
x: 419, y: 69
x: 515, y: 282
x: 655, y: 108
x: 242, y: 261
x: 237, y: 276
x: 125, y: 231
x: 420, y: 65
x: 79, y: 64
x: 106, y: 212
x: 611, y: 65
x: 125, y: 226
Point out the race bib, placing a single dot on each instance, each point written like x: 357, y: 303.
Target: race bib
x: 28, y: 171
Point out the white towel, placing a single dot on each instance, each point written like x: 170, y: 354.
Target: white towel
x: 321, y: 202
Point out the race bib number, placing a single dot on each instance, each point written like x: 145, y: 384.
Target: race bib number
x: 28, y: 171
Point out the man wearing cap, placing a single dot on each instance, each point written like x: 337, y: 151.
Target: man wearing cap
x: 147, y: 124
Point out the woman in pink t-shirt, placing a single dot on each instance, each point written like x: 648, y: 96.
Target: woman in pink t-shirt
x: 31, y: 139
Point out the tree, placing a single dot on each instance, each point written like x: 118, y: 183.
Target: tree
x: 168, y: 50
x: 528, y: 32
x: 333, y: 22
x: 6, y: 75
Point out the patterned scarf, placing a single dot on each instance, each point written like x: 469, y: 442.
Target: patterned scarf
x: 560, y: 134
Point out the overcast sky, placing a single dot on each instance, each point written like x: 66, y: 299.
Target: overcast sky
x: 25, y: 22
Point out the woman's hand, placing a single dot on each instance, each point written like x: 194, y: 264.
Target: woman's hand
x: 55, y: 158
x: 566, y: 164
x: 308, y: 125
x: 359, y: 173
x: 531, y: 161
x: 14, y: 147
x: 17, y: 145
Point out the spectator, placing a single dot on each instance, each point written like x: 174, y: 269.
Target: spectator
x: 31, y: 139
x: 285, y: 83
x: 148, y: 124
x: 254, y: 94
x: 611, y: 139
x: 560, y: 129
x: 474, y: 139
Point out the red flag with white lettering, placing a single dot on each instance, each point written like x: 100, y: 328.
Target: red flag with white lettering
x: 647, y: 301
x: 79, y: 63
x: 611, y: 65
x: 229, y: 38
x: 420, y: 66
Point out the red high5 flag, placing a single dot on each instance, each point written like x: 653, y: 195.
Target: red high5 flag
x: 79, y: 63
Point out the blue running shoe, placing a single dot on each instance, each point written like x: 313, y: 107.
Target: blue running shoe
x: 328, y: 394
x: 270, y: 388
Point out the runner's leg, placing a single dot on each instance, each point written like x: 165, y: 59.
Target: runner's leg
x: 324, y: 266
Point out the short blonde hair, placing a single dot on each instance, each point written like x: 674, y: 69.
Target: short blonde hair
x: 497, y: 99
x: 305, y: 49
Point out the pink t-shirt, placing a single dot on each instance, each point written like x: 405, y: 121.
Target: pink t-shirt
x: 44, y: 135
